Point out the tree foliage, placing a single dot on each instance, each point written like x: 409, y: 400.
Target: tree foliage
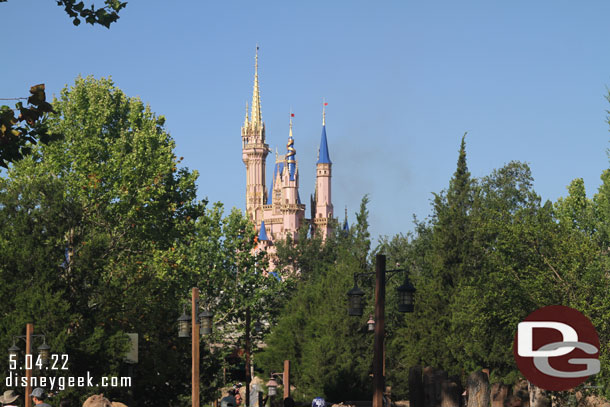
x: 102, y: 234
x: 19, y: 133
x: 330, y: 353
x: 490, y: 254
x: 101, y: 15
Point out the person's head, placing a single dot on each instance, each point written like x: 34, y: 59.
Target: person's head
x: 288, y: 402
x: 9, y: 397
x: 318, y: 402
x: 237, y: 398
x: 38, y: 395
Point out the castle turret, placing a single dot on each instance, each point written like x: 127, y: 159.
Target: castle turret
x: 291, y: 208
x: 324, y: 206
x: 254, y: 154
x: 291, y: 175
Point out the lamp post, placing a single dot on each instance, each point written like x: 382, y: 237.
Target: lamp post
x: 405, y: 297
x: 44, y: 352
x: 206, y: 328
x: 248, y: 372
x: 272, y: 383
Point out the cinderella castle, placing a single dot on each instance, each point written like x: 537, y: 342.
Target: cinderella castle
x: 278, y: 211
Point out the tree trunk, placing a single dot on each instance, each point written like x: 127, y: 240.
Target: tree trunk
x: 478, y: 390
x: 499, y: 394
x: 450, y: 393
x: 538, y: 397
x: 416, y: 387
x: 428, y: 380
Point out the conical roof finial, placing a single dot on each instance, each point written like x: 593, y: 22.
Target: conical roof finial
x: 246, y: 120
x: 324, y: 112
x: 256, y: 116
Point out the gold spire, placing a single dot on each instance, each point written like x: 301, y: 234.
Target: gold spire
x: 256, y: 98
x: 246, y: 121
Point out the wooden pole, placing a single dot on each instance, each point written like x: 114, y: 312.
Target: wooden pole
x: 195, y: 346
x: 29, y: 331
x: 286, y: 379
x: 378, y: 378
x: 248, y: 373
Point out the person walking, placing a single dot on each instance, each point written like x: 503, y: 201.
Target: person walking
x: 8, y: 398
x: 38, y: 395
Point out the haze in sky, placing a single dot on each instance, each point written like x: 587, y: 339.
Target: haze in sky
x: 404, y: 80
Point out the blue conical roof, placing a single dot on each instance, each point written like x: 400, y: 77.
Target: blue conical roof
x: 323, y: 157
x: 262, y: 235
x: 345, y: 226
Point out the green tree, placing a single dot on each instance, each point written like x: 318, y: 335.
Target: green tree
x: 331, y: 354
x: 104, y: 231
x: 439, y: 267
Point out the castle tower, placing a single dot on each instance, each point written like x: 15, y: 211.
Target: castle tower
x: 324, y: 206
x: 254, y: 154
x: 293, y: 212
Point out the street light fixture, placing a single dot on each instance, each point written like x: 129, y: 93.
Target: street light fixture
x: 272, y: 386
x: 184, y: 324
x: 370, y: 324
x: 355, y: 300
x: 13, y: 351
x: 206, y: 322
x: 44, y: 351
x: 405, y: 296
x: 285, y: 379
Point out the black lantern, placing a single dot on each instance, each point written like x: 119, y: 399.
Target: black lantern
x: 355, y: 300
x: 405, y: 296
x: 206, y: 322
x: 13, y: 352
x: 44, y: 351
x: 271, y: 387
x: 370, y: 324
x: 184, y: 325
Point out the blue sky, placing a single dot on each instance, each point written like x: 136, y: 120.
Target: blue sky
x: 403, y: 81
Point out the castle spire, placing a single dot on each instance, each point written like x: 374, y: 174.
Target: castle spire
x: 323, y: 157
x: 256, y: 116
x: 290, y: 155
x: 324, y: 112
x: 246, y: 120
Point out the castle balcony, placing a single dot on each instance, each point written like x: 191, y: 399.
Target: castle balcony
x: 320, y: 221
x: 292, y: 207
x: 256, y: 146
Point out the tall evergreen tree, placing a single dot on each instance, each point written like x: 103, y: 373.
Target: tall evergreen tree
x: 331, y: 353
